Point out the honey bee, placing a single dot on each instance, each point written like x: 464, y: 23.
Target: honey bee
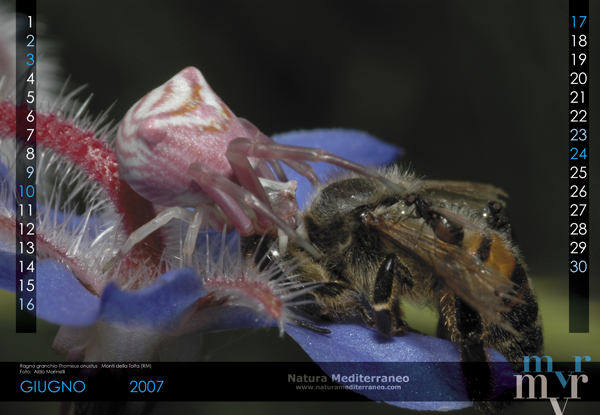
x: 445, y: 244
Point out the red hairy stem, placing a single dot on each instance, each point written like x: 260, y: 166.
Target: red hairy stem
x: 99, y: 163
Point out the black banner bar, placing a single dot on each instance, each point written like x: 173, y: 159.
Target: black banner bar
x: 579, y: 171
x: 306, y: 381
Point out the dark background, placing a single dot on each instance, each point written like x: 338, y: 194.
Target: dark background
x: 471, y: 90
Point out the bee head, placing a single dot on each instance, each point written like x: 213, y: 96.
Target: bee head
x: 335, y: 221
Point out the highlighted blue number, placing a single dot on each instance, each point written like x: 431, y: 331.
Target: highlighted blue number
x: 577, y: 155
x: 575, y: 21
x: 29, y: 190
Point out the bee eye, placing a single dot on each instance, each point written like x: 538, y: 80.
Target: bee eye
x: 495, y: 207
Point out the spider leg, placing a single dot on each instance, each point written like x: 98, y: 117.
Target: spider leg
x: 305, y: 170
x: 202, y: 214
x: 228, y: 204
x: 299, y: 166
x: 256, y: 135
x: 139, y: 234
x: 294, y: 154
x: 276, y: 166
x: 248, y: 177
x: 230, y: 197
x: 262, y: 170
x: 249, y: 180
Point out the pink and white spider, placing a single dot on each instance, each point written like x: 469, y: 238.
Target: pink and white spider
x: 181, y: 146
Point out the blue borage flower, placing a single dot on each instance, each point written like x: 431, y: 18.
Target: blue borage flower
x: 63, y: 300
x: 134, y: 325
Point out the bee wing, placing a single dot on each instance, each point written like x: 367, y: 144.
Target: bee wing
x: 473, y: 195
x: 482, y: 287
x: 458, y: 219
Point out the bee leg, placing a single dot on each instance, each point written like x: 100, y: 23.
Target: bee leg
x: 384, y: 312
x: 462, y: 324
x: 478, y: 375
x: 324, y: 293
x: 310, y: 327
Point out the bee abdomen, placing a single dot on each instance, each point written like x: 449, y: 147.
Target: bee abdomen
x: 497, y: 254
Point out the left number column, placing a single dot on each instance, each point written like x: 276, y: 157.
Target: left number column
x: 25, y: 167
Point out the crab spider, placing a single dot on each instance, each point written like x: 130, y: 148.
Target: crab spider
x: 181, y: 146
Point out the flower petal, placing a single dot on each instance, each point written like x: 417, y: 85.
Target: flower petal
x: 227, y: 317
x: 61, y: 299
x: 357, y: 146
x: 157, y: 307
x: 7, y: 271
x: 432, y: 364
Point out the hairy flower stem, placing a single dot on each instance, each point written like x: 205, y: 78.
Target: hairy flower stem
x: 98, y: 161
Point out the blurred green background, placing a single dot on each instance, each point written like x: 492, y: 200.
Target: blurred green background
x: 471, y: 90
